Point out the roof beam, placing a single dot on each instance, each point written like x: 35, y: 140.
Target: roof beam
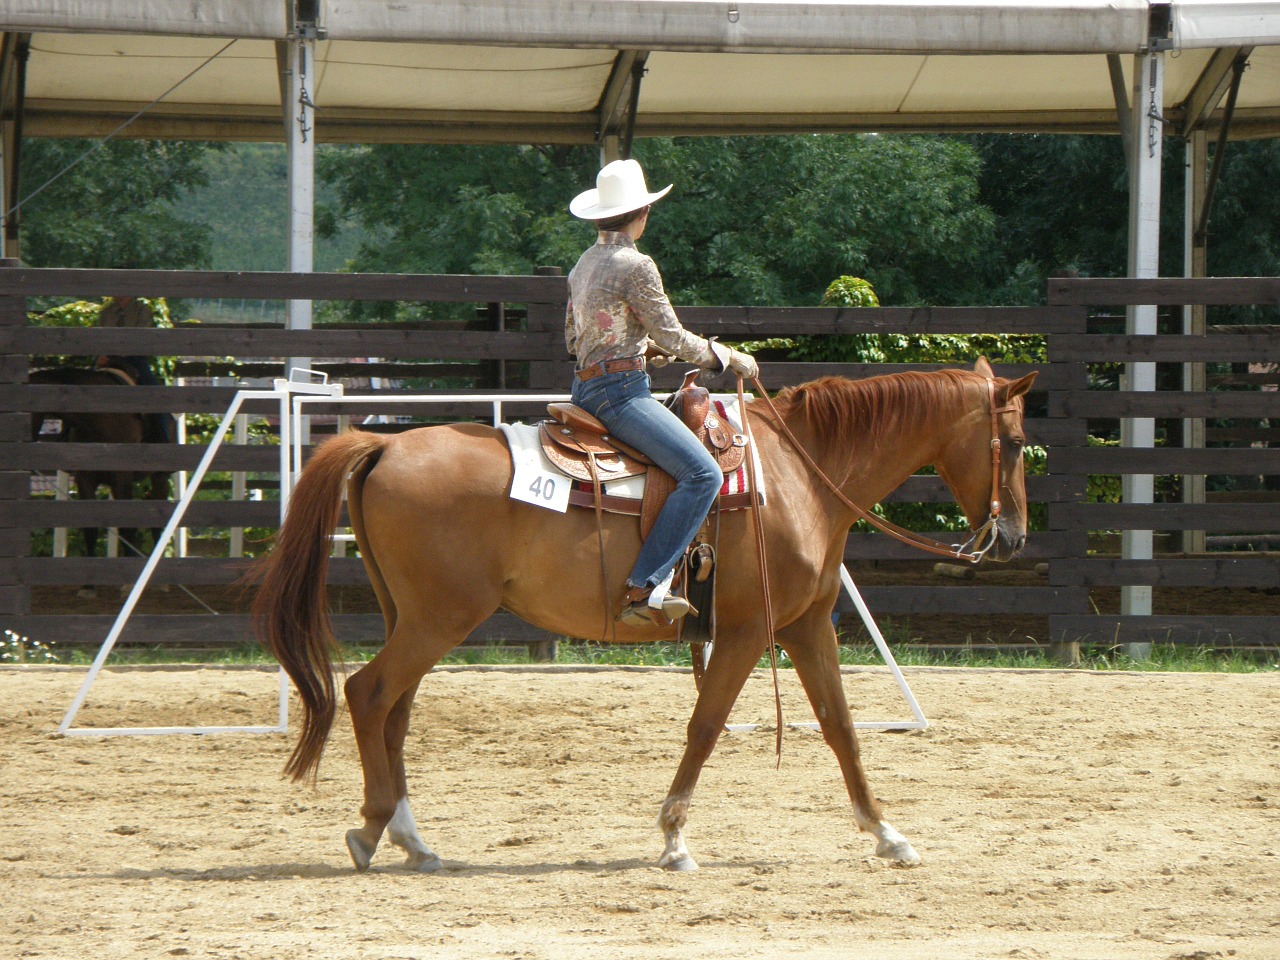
x: 615, y: 97
x: 1207, y: 92
x: 14, y: 51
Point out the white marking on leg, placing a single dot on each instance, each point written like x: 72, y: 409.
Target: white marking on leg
x: 403, y: 832
x: 893, y: 846
x: 675, y: 856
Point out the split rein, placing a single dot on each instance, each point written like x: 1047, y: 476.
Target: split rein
x: 973, y: 549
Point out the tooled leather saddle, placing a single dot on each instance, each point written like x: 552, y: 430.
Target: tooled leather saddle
x: 581, y: 447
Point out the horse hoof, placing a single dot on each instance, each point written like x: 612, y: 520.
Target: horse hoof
x: 900, y: 851
x: 87, y: 593
x: 361, y: 852
x: 423, y: 864
x: 683, y: 863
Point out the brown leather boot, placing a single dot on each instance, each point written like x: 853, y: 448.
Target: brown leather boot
x: 637, y: 612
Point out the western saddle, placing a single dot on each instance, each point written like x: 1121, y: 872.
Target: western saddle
x: 581, y: 447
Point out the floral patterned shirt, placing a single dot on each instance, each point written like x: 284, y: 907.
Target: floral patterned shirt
x: 617, y: 307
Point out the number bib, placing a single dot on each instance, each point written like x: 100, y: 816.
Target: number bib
x: 541, y: 486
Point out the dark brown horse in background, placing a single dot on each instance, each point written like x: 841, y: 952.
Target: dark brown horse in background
x: 445, y: 546
x: 103, y: 427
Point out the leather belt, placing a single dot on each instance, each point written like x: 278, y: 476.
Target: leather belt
x: 610, y: 366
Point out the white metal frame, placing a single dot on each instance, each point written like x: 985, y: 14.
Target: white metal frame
x: 282, y: 391
x: 293, y: 397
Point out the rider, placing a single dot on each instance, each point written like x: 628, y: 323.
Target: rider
x: 617, y: 311
x: 131, y: 312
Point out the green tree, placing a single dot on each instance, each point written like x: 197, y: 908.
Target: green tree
x: 766, y: 220
x: 116, y: 208
x: 1062, y: 202
x: 772, y: 220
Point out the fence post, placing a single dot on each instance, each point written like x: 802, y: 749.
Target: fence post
x: 1065, y: 649
x: 15, y: 485
x: 548, y: 318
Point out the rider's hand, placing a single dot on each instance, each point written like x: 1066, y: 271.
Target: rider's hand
x: 657, y: 357
x: 733, y: 361
x: 744, y: 365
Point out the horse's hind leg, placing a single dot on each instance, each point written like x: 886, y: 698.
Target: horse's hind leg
x: 402, y: 830
x: 380, y: 697
x: 731, y: 664
x: 811, y: 644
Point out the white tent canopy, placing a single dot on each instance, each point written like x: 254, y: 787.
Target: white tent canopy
x: 558, y: 71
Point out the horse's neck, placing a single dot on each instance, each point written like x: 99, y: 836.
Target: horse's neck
x: 878, y: 464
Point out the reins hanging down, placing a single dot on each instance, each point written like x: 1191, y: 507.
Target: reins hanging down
x: 973, y: 549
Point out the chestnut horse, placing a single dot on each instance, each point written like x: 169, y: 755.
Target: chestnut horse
x: 445, y: 546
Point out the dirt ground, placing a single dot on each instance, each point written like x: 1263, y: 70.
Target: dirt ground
x: 1060, y: 815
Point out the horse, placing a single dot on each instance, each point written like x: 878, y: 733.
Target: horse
x: 445, y: 546
x: 103, y: 427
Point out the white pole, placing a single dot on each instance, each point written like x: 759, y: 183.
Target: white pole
x: 179, y: 511
x: 61, y: 491
x: 1144, y: 262
x: 239, y: 485
x: 1193, y: 317
x: 300, y: 135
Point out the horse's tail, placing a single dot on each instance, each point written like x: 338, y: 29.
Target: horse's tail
x: 290, y: 610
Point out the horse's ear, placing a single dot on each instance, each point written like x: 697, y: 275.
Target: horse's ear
x: 983, y: 369
x: 1019, y: 387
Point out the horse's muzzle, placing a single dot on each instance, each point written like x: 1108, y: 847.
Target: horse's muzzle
x: 1008, y: 545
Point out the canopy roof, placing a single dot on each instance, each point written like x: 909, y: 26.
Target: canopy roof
x: 548, y: 71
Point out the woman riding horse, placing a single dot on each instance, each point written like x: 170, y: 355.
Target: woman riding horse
x: 617, y: 309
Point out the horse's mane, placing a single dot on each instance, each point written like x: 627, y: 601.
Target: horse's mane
x: 844, y: 411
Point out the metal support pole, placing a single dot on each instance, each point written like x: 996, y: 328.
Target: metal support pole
x: 1144, y: 262
x: 300, y: 135
x: 1195, y: 264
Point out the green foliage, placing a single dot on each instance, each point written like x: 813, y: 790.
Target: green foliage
x: 79, y: 313
x: 84, y: 313
x: 765, y: 220
x: 850, y: 292
x: 246, y: 206
x: 116, y: 208
x: 454, y: 209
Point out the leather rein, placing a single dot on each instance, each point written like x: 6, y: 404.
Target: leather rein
x: 973, y: 549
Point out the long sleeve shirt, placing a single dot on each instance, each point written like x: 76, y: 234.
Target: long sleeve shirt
x: 617, y: 307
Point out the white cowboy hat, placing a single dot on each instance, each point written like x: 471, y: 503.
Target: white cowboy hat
x: 620, y: 188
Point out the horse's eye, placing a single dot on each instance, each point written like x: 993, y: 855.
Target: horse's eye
x: 1014, y: 444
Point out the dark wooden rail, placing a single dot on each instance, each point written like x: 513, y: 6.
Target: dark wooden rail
x: 532, y: 353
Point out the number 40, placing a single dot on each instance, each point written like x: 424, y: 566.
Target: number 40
x: 544, y: 487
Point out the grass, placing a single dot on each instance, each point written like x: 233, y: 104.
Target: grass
x: 1164, y: 657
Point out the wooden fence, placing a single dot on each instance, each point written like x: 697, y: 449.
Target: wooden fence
x: 1247, y: 410
x: 514, y: 337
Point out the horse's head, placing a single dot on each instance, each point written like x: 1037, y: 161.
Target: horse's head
x: 985, y: 441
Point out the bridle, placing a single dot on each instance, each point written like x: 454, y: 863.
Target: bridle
x: 982, y: 539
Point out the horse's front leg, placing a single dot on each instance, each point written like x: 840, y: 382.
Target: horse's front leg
x: 811, y: 644
x: 731, y: 664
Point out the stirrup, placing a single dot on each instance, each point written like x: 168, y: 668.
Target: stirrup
x: 640, y: 613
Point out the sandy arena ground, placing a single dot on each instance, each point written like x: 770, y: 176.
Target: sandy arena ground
x: 1060, y: 815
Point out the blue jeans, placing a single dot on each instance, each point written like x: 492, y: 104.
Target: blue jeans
x: 623, y: 403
